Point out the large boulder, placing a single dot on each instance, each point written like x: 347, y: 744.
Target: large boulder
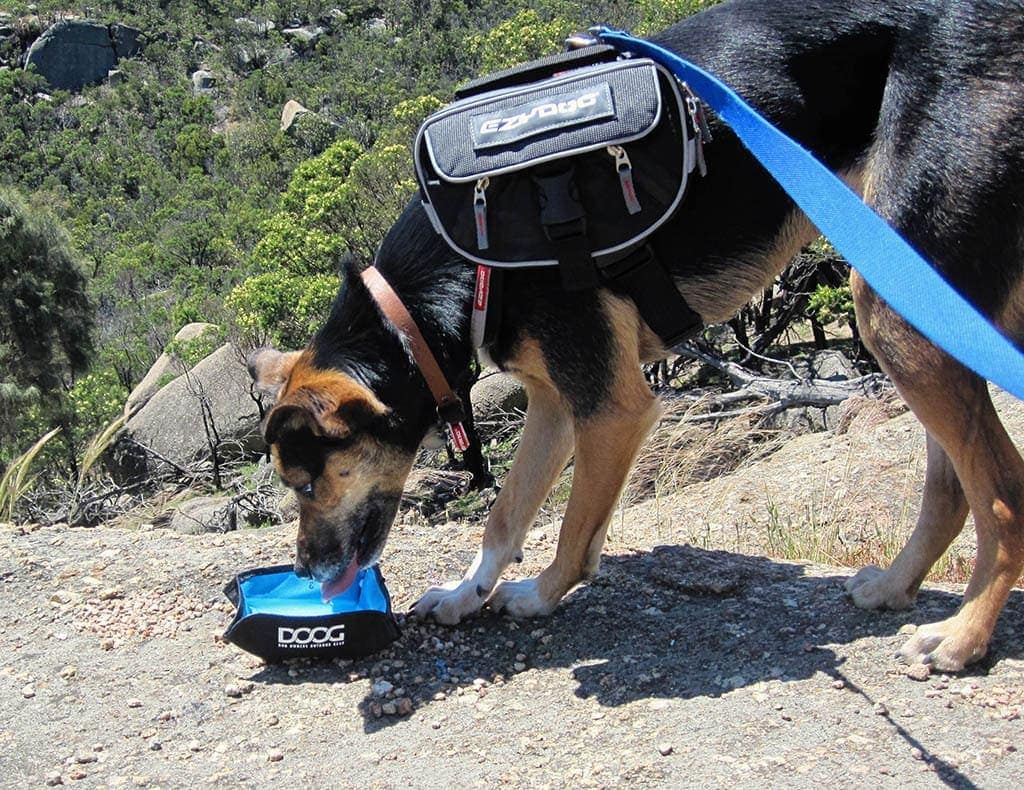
x: 292, y: 109
x: 166, y: 367
x: 304, y: 37
x: 829, y: 364
x: 204, y: 514
x: 203, y: 81
x: 309, y: 129
x: 176, y: 425
x: 74, y: 53
x: 253, y: 26
x: 495, y: 397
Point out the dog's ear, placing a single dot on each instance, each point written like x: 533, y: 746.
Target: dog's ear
x: 270, y: 368
x: 331, y: 405
x: 287, y: 418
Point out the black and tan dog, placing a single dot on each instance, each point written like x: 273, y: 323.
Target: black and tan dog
x: 919, y: 105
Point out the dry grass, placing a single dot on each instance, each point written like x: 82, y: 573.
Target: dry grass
x: 825, y: 525
x: 681, y: 451
x: 831, y: 533
x: 18, y: 478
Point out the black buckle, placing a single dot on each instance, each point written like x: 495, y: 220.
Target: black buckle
x: 559, y: 197
x: 565, y: 224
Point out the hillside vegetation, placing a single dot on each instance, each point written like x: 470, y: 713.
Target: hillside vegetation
x: 183, y: 200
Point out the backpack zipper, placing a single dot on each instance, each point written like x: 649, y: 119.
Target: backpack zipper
x: 480, y: 212
x: 625, y: 170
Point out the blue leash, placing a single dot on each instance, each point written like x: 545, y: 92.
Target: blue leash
x: 886, y: 262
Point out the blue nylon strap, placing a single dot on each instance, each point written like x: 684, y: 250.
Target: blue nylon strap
x: 886, y: 262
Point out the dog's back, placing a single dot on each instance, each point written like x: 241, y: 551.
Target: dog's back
x: 920, y: 105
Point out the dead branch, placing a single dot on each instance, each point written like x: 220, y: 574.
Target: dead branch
x: 787, y: 392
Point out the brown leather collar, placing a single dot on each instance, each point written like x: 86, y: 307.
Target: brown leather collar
x: 449, y: 405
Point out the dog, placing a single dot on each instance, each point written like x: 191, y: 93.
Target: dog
x: 917, y: 105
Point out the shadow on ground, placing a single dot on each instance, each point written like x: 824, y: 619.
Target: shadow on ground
x: 675, y: 622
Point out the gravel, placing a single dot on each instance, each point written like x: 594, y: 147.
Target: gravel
x: 676, y: 666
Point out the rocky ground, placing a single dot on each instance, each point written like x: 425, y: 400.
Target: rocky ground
x: 682, y: 664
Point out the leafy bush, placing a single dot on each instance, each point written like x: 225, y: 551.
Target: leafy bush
x: 829, y: 304
x: 96, y: 399
x: 281, y: 308
x: 523, y: 37
x: 191, y: 352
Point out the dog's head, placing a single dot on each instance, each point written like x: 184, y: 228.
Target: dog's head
x: 328, y: 437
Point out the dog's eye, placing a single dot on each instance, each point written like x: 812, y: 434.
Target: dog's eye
x: 306, y: 490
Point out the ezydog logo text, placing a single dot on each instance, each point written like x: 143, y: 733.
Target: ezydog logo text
x: 319, y: 636
x: 550, y: 112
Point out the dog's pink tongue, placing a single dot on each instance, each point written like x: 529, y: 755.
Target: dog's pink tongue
x: 329, y: 590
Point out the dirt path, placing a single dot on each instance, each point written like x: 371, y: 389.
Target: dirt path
x: 680, y: 665
x: 677, y: 667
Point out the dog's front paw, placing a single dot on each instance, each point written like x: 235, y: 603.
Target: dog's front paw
x: 450, y: 603
x: 947, y: 645
x: 522, y: 599
x: 873, y: 588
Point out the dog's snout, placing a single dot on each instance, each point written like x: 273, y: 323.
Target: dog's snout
x: 302, y: 558
x: 302, y: 569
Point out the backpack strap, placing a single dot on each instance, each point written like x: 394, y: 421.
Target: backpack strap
x: 641, y: 277
x: 565, y: 224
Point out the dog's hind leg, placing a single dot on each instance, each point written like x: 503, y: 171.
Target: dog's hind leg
x: 955, y: 408
x: 942, y: 515
x: 607, y: 444
x: 542, y: 454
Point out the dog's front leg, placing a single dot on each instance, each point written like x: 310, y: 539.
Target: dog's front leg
x: 543, y: 452
x: 606, y: 446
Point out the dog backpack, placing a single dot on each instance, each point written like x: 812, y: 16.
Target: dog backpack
x: 573, y: 160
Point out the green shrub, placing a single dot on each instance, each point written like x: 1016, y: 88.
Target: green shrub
x: 191, y: 352
x: 281, y: 308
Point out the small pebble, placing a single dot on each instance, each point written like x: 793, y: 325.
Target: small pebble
x: 233, y: 690
x: 916, y: 753
x: 53, y: 779
x: 405, y: 706
x: 69, y: 672
x: 435, y: 725
x: 273, y: 721
x: 919, y: 671
x: 195, y: 746
x: 82, y: 759
x: 275, y: 755
x: 77, y: 774
x: 665, y: 749
x: 881, y: 709
x: 28, y: 692
x: 519, y: 666
x: 382, y: 688
x: 134, y: 703
x: 389, y: 708
x: 838, y: 684
x: 107, y: 644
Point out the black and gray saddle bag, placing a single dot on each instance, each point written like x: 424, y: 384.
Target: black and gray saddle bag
x: 573, y: 160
